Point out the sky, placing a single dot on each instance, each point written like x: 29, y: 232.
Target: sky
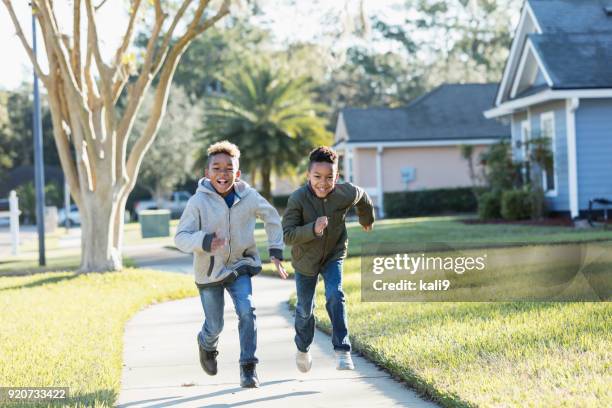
x: 290, y: 21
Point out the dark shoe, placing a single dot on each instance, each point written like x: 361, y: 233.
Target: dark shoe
x: 208, y: 360
x: 248, y: 376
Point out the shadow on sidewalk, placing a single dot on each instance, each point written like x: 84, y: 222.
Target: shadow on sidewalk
x: 234, y: 390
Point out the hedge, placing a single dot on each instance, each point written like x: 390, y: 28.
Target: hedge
x: 430, y: 202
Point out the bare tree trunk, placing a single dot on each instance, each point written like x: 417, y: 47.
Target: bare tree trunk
x: 99, y: 252
x: 90, y: 132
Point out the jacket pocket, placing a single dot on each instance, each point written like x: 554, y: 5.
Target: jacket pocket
x: 297, y: 252
x: 211, y: 265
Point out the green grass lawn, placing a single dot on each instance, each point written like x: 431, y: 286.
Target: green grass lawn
x: 447, y: 229
x: 64, y: 258
x: 506, y: 354
x: 64, y: 329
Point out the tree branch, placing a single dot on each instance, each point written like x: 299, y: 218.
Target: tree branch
x: 63, y: 143
x: 161, y: 94
x: 100, y: 5
x: 76, y: 36
x: 104, y: 70
x: 53, y: 37
x: 127, y: 38
x: 24, y: 42
x: 135, y: 95
x: 163, y: 51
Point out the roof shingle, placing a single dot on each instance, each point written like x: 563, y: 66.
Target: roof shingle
x: 449, y: 112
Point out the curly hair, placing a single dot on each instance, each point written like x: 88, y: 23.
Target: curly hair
x: 224, y: 147
x: 323, y: 154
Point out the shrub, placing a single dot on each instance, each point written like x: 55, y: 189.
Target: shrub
x: 517, y: 204
x: 489, y: 205
x: 430, y: 202
x: 280, y: 202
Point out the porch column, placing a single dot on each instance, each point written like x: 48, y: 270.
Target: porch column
x: 379, y: 182
x: 572, y: 160
x: 348, y: 164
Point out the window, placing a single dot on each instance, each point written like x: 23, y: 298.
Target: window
x: 547, y: 128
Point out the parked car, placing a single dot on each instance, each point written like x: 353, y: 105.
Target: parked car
x: 74, y: 218
x: 176, y: 204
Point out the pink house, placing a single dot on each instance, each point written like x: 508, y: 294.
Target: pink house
x: 418, y: 146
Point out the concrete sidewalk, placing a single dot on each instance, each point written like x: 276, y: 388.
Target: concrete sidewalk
x: 161, y: 367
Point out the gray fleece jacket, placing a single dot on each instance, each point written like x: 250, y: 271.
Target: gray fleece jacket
x: 207, y: 214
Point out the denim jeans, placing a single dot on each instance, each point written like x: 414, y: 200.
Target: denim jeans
x: 213, y: 302
x: 334, y: 303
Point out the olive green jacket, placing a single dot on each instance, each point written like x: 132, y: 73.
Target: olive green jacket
x: 310, y: 252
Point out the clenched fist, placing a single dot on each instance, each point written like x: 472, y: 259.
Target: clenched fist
x: 320, y: 225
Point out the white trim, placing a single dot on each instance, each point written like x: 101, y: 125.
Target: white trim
x: 571, y: 105
x: 519, y: 35
x: 534, y: 20
x: 422, y: 143
x: 525, y: 125
x: 348, y: 166
x: 379, y: 182
x: 510, y: 107
x: 550, y: 115
x: 528, y: 49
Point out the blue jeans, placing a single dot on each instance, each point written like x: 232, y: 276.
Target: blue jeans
x: 334, y: 303
x: 213, y: 302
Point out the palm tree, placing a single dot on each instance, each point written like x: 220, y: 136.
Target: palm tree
x: 270, y: 116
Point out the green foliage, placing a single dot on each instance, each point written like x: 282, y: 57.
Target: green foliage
x: 52, y: 335
x: 173, y: 144
x: 501, y: 173
x: 516, y: 205
x: 429, y: 202
x: 270, y: 115
x: 16, y: 141
x: 489, y: 205
x: 280, y: 201
x: 218, y: 53
x: 538, y: 203
x: 27, y: 199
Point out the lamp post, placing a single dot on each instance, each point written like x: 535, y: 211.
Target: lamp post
x: 39, y: 172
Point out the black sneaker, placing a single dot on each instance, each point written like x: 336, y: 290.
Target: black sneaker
x: 208, y: 360
x: 248, y: 376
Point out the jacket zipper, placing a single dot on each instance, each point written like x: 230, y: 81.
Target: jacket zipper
x: 229, y: 226
x: 229, y: 233
x: 325, y: 234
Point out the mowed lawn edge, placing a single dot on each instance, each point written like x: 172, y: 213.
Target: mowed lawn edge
x: 65, y: 329
x: 511, y: 354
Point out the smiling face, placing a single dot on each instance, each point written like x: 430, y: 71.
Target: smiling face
x: 222, y: 171
x: 322, y: 177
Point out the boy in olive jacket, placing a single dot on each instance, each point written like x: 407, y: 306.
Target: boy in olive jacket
x: 314, y: 224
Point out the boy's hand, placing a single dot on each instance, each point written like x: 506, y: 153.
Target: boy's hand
x: 320, y: 225
x: 279, y: 268
x: 367, y: 228
x: 218, y: 242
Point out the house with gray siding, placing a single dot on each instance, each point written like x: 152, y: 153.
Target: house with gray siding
x: 557, y: 83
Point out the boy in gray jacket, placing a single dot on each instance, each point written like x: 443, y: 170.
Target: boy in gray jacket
x: 218, y: 227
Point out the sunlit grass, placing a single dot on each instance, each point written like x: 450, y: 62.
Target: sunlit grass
x: 66, y: 330
x: 510, y: 354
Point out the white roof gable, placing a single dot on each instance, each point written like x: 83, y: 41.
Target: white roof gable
x: 527, y: 24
